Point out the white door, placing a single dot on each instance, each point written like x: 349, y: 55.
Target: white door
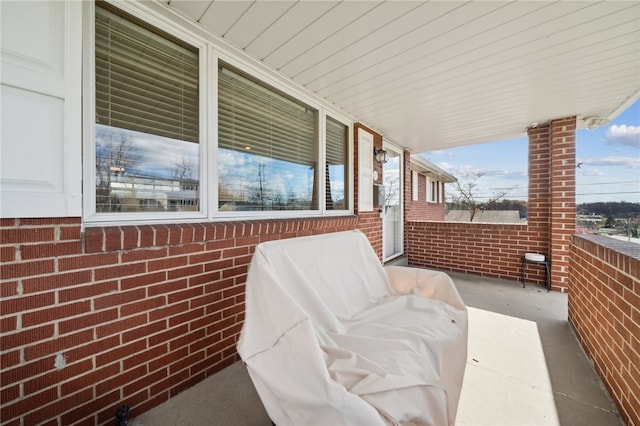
x: 392, y: 173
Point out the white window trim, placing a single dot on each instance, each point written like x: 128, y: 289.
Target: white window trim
x: 414, y: 185
x: 434, y: 198
x: 365, y: 171
x: 211, y: 50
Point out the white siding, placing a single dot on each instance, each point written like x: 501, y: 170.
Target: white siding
x: 40, y: 171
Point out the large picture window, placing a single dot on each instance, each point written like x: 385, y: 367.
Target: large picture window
x: 147, y: 118
x: 267, y: 147
x: 155, y: 152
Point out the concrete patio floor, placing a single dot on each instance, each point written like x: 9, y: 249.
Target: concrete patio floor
x: 525, y: 367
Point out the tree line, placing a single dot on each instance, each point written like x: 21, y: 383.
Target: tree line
x: 620, y: 209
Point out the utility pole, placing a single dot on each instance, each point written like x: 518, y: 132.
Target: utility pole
x: 260, y: 178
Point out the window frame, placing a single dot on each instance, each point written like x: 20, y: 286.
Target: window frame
x: 89, y: 125
x: 210, y: 52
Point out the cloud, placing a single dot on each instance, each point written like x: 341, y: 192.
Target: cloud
x: 467, y: 169
x: 611, y: 161
x: 507, y: 174
x: 624, y: 135
x: 592, y: 172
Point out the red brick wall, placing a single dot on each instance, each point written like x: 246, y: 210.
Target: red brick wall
x: 421, y: 209
x: 604, y: 309
x: 493, y: 250
x: 139, y: 313
x: 496, y: 250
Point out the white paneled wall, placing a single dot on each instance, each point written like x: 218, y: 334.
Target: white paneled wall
x: 40, y: 151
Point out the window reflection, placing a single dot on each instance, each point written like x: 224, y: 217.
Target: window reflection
x: 252, y: 182
x: 141, y: 172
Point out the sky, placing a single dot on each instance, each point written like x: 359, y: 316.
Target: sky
x: 609, y: 159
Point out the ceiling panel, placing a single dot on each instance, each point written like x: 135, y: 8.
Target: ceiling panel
x: 192, y: 8
x: 430, y: 75
x: 221, y: 15
x: 422, y: 47
x: 255, y: 21
x: 335, y: 43
x: 297, y: 18
x: 336, y: 19
x: 531, y: 69
x: 365, y: 51
x: 503, y: 53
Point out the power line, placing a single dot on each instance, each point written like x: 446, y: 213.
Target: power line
x: 510, y: 196
x: 609, y: 183
x: 611, y: 193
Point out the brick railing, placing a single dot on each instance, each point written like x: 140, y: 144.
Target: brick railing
x: 604, y: 309
x: 125, y: 314
x: 486, y: 249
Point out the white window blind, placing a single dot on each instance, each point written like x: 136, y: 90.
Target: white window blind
x: 414, y: 185
x: 336, y: 196
x: 258, y: 119
x: 145, y: 81
x: 336, y: 142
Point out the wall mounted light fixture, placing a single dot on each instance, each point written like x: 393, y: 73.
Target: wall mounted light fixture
x: 381, y: 155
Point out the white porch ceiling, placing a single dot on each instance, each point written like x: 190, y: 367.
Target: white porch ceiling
x: 433, y: 75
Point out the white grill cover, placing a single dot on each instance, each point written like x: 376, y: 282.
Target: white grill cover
x: 333, y: 338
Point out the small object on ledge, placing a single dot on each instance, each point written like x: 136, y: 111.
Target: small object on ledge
x: 534, y: 257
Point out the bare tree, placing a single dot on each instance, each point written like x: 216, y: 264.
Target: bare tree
x: 467, y: 196
x: 184, y: 169
x: 392, y: 191
x: 115, y: 156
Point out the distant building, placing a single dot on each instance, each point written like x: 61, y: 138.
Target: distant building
x: 427, y: 190
x: 484, y: 216
x: 140, y: 193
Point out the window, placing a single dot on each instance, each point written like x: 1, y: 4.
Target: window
x: 414, y: 185
x: 267, y: 147
x: 147, y: 154
x: 434, y: 191
x: 336, y: 167
x: 435, y: 185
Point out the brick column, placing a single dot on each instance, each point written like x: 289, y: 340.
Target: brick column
x: 552, y: 187
x: 562, y: 139
x: 539, y: 177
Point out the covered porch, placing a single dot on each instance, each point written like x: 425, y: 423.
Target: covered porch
x: 104, y: 306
